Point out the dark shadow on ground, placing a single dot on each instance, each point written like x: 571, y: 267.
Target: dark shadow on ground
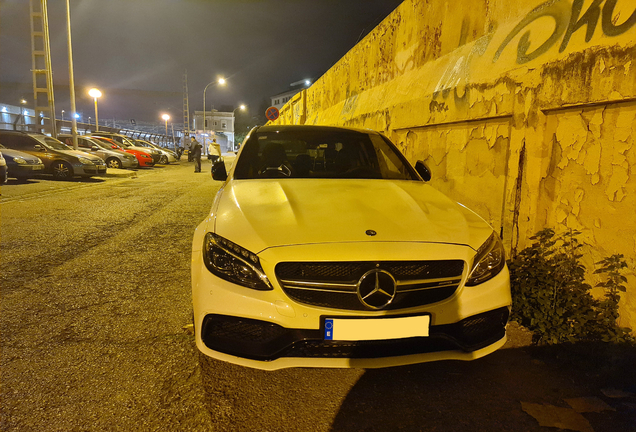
x: 486, y: 394
x: 482, y: 395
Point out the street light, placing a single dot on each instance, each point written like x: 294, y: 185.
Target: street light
x: 62, y: 115
x: 166, y: 117
x: 95, y: 93
x: 220, y: 81
x: 242, y: 107
x: 23, y: 111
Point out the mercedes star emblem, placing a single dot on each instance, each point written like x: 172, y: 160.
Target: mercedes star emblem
x: 376, y: 289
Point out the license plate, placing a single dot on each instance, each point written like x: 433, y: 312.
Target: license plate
x: 357, y: 329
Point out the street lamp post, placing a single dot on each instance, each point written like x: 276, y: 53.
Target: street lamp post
x: 95, y: 93
x: 23, y: 111
x: 166, y: 117
x: 242, y: 107
x: 220, y: 81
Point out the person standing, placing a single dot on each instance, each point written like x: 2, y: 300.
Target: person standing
x: 214, y: 150
x: 195, y: 150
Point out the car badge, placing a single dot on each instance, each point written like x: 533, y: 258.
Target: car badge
x: 376, y: 289
x: 370, y: 233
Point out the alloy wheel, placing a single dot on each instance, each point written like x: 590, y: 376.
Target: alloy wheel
x: 62, y: 170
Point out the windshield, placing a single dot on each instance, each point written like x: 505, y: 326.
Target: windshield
x: 54, y: 144
x: 98, y: 143
x: 321, y: 154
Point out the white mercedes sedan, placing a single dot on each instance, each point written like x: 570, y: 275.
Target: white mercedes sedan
x: 324, y: 247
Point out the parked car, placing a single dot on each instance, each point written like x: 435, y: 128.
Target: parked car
x: 129, y: 143
x: 112, y: 157
x: 144, y: 160
x: 21, y: 165
x: 3, y: 170
x: 59, y: 159
x: 167, y: 156
x: 326, y: 248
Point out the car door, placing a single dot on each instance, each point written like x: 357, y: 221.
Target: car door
x: 88, y: 147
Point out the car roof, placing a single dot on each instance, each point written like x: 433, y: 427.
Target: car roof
x: 312, y: 128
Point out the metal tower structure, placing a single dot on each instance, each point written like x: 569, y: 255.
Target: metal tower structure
x: 41, y: 64
x: 186, y: 110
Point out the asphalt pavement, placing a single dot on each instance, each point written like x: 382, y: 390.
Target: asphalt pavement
x: 95, y: 287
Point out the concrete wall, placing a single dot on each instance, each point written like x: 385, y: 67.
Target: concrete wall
x: 525, y: 111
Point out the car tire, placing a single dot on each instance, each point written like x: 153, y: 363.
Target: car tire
x: 62, y: 170
x: 113, y: 163
x: 163, y: 160
x: 4, y: 177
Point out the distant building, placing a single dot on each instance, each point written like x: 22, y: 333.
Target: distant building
x: 281, y: 99
x: 219, y: 125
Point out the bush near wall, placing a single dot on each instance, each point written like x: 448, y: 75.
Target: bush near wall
x: 551, y: 298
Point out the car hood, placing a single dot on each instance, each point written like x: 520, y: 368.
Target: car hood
x: 78, y: 153
x: 258, y: 214
x: 143, y: 149
x: 15, y: 153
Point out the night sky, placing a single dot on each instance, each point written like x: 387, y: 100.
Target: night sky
x: 136, y: 51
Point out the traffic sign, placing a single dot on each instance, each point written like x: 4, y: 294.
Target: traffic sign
x: 272, y: 113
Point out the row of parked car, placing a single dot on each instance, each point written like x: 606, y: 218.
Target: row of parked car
x: 26, y: 154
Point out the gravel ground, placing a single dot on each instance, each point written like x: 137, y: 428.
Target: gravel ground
x: 95, y: 292
x: 95, y: 284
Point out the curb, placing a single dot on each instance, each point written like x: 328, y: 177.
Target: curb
x: 115, y: 172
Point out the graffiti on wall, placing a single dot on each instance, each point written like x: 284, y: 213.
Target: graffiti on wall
x: 568, y: 18
x: 567, y: 21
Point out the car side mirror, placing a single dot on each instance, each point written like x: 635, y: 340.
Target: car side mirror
x: 423, y: 170
x: 38, y: 147
x: 218, y: 170
x: 95, y: 148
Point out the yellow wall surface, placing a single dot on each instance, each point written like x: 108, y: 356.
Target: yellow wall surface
x: 525, y: 111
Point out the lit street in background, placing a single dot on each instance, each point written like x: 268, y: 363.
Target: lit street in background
x: 103, y: 268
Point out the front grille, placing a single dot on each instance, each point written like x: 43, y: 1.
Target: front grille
x: 334, y: 284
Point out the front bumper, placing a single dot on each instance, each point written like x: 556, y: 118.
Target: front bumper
x: 25, y: 170
x: 266, y: 341
x: 269, y: 330
x: 128, y: 163
x: 88, y: 170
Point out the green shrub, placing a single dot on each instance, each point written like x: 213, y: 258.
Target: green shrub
x: 550, y: 296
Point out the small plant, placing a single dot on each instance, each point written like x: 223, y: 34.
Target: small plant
x: 551, y: 298
x: 608, y: 307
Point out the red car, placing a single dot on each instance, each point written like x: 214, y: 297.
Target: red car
x: 145, y: 160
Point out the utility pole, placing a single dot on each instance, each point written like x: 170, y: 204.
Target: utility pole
x: 41, y: 63
x: 186, y: 110
x: 71, y: 77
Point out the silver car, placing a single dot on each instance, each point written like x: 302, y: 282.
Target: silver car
x: 167, y: 156
x: 113, y: 158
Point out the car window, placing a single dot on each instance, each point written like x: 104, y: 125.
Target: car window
x: 19, y: 142
x: 321, y: 154
x: 54, y: 144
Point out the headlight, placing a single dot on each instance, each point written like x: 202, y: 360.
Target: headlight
x: 147, y: 156
x: 85, y: 161
x: 19, y: 160
x: 233, y: 263
x: 489, y: 261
